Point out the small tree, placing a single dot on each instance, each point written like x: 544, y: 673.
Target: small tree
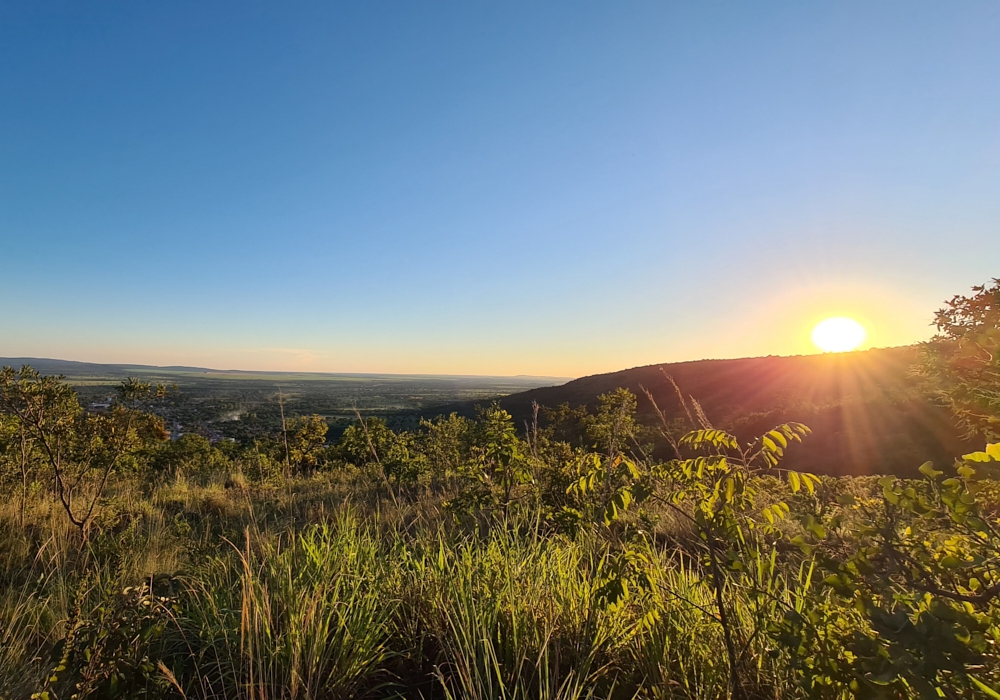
x: 18, y: 450
x: 370, y: 442
x: 613, y: 427
x: 917, y: 583
x: 502, y: 463
x: 192, y: 454
x: 716, y: 494
x: 307, y: 441
x: 81, y: 451
x: 445, y: 445
x: 498, y: 467
x: 961, y: 364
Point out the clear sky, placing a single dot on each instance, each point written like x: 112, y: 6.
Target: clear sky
x: 553, y: 188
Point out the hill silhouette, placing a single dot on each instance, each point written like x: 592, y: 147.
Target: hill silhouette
x: 867, y: 414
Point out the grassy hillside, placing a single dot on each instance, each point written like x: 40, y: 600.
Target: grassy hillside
x: 867, y: 415
x: 461, y: 559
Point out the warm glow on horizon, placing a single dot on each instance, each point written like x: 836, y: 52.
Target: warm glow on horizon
x: 838, y: 334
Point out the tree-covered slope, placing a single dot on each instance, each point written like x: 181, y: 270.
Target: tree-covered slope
x: 867, y: 414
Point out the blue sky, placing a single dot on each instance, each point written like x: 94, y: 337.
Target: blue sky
x: 494, y: 188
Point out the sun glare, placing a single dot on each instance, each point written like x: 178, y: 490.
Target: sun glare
x: 838, y: 334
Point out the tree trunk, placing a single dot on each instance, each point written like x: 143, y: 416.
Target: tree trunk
x: 24, y: 476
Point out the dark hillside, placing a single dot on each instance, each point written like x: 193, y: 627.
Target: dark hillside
x: 866, y: 414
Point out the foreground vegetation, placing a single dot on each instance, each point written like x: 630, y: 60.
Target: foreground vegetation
x: 583, y: 556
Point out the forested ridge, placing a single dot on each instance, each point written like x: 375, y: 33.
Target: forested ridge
x: 868, y: 411
x: 587, y: 541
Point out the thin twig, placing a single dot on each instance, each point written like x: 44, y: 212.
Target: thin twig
x: 371, y: 447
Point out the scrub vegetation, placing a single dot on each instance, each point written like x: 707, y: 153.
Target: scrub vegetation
x: 582, y: 553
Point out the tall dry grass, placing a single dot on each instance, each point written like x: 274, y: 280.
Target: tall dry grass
x: 291, y: 592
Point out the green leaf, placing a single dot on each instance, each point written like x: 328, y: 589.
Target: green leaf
x: 632, y: 469
x: 928, y: 470
x: 715, y: 438
x: 976, y: 524
x: 794, y: 481
x: 992, y: 454
x: 778, y: 438
x: 795, y: 431
x: 799, y: 542
x: 985, y: 688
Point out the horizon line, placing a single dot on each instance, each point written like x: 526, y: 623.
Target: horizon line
x: 5, y: 360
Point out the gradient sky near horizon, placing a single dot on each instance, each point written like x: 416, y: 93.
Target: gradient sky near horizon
x: 488, y: 188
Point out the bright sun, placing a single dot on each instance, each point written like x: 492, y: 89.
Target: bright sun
x: 838, y: 334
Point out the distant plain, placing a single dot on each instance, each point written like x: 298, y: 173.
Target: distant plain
x: 241, y: 404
